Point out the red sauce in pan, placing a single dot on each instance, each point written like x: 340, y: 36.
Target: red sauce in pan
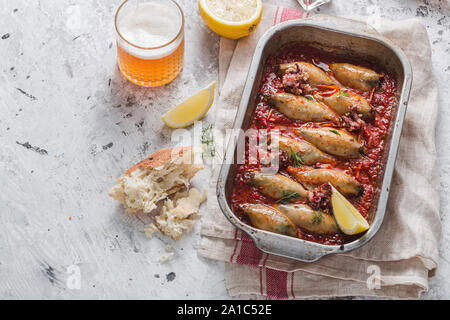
x: 364, y: 169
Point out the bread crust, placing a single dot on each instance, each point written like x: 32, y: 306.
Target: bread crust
x: 160, y: 157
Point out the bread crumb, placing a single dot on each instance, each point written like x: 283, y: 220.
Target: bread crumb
x: 150, y: 230
x: 166, y: 257
x: 178, y: 215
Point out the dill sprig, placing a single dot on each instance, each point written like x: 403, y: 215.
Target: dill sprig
x: 318, y: 217
x: 335, y: 131
x: 296, y: 159
x: 207, y: 140
x: 344, y: 93
x: 310, y: 97
x: 288, y: 197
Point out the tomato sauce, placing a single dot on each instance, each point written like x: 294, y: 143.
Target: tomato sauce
x: 364, y: 169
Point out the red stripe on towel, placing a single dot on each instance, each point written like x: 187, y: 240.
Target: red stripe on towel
x: 261, y: 281
x: 292, y: 285
x: 276, y: 284
x: 249, y: 254
x: 290, y: 14
x: 276, y: 16
x: 235, y: 245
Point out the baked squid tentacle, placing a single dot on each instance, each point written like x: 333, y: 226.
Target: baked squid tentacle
x: 302, y: 108
x: 345, y: 183
x: 270, y: 219
x: 316, y: 75
x: 305, y: 217
x: 356, y: 76
x: 343, y: 101
x: 278, y: 186
x: 307, y: 153
x: 338, y: 142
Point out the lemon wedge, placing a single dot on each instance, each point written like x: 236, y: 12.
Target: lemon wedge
x: 349, y: 220
x: 190, y: 110
x: 232, y: 19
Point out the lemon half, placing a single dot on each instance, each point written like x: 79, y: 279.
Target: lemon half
x: 232, y: 19
x: 349, y: 220
x: 192, y: 109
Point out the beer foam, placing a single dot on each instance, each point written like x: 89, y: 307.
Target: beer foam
x: 148, y: 25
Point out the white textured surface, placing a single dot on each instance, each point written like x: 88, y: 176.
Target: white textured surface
x: 71, y: 124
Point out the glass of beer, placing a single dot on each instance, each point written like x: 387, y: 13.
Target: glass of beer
x: 150, y: 41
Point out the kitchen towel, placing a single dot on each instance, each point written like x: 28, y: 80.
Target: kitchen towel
x: 399, y: 259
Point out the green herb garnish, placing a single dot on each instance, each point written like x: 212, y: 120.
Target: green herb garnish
x: 296, y: 159
x: 344, y: 93
x: 288, y: 197
x: 335, y: 131
x: 318, y: 217
x: 207, y: 139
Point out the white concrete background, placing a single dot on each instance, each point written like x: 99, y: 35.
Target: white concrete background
x: 70, y: 124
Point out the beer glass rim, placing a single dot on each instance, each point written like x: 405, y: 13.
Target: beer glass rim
x: 148, y: 48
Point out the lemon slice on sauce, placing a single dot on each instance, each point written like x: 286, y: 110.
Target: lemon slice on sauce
x: 231, y: 19
x: 190, y: 110
x: 349, y: 220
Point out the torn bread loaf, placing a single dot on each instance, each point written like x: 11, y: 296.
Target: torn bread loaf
x: 163, y: 173
x: 178, y: 215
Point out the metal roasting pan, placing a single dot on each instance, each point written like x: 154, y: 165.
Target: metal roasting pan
x: 347, y: 37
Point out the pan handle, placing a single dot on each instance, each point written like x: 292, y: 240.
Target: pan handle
x: 290, y: 248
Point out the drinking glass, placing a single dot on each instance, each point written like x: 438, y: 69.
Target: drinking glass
x: 150, y: 41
